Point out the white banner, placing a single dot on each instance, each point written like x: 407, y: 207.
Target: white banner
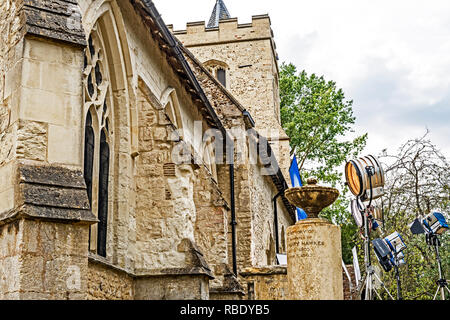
x: 356, y: 266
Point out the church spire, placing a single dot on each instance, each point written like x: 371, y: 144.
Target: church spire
x: 220, y: 12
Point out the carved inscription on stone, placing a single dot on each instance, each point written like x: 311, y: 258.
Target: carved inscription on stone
x: 307, y: 244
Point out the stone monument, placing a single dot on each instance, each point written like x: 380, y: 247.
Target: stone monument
x: 314, y: 247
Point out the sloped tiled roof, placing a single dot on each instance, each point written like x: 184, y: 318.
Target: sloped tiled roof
x: 220, y: 12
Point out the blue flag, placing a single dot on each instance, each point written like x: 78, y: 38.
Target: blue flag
x: 297, y: 182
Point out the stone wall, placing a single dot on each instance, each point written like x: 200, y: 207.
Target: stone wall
x: 12, y: 30
x: 43, y: 260
x: 10, y: 243
x: 167, y: 287
x: 106, y: 282
x: 212, y: 226
x: 165, y: 211
x: 50, y: 122
x: 266, y: 283
x: 39, y: 120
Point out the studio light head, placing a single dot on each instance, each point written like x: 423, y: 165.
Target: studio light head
x: 365, y: 178
x: 383, y: 253
x: 434, y: 223
x: 389, y: 251
x: 375, y: 216
x: 395, y: 242
x: 357, y: 212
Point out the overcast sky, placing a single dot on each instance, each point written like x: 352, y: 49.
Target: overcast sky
x: 392, y: 57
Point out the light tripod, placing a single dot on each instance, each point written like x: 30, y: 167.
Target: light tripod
x: 433, y: 240
x: 397, y: 277
x: 370, y: 276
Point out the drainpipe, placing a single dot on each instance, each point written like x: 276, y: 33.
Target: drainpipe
x: 233, y: 219
x: 275, y: 221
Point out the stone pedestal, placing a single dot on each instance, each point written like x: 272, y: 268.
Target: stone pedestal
x: 314, y: 261
x: 266, y: 283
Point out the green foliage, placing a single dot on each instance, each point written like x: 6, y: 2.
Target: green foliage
x: 317, y: 117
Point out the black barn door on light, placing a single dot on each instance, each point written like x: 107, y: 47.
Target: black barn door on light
x: 103, y: 195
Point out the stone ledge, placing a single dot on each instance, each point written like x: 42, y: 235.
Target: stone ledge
x: 55, y: 19
x: 189, y: 271
x: 142, y: 274
x: 263, y: 271
x: 51, y: 193
x: 49, y: 214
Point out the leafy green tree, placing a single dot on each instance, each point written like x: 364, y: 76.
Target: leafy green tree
x: 317, y: 117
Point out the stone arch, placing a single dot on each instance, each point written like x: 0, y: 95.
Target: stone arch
x: 213, y: 63
x: 169, y: 100
x: 218, y: 69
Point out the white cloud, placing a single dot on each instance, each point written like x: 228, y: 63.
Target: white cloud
x: 391, y: 57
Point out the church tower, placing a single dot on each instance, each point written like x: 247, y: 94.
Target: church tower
x: 244, y: 59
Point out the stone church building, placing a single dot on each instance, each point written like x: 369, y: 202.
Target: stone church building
x: 138, y: 161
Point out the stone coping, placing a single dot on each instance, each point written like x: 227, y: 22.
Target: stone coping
x: 96, y: 259
x: 51, y: 193
x: 55, y: 19
x: 263, y: 271
x: 164, y: 272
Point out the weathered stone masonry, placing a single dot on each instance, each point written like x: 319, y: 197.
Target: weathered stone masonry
x: 168, y: 228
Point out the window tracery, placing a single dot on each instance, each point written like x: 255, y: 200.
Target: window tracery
x: 98, y: 138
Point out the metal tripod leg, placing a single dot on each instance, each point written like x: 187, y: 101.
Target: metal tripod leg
x: 441, y: 288
x: 362, y: 284
x: 369, y: 284
x: 373, y: 289
x: 382, y: 283
x: 437, y: 291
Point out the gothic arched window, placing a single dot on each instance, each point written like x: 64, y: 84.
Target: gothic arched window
x: 218, y: 69
x: 98, y: 137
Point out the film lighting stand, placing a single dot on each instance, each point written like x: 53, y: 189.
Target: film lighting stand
x: 397, y: 277
x: 370, y: 276
x: 433, y: 240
